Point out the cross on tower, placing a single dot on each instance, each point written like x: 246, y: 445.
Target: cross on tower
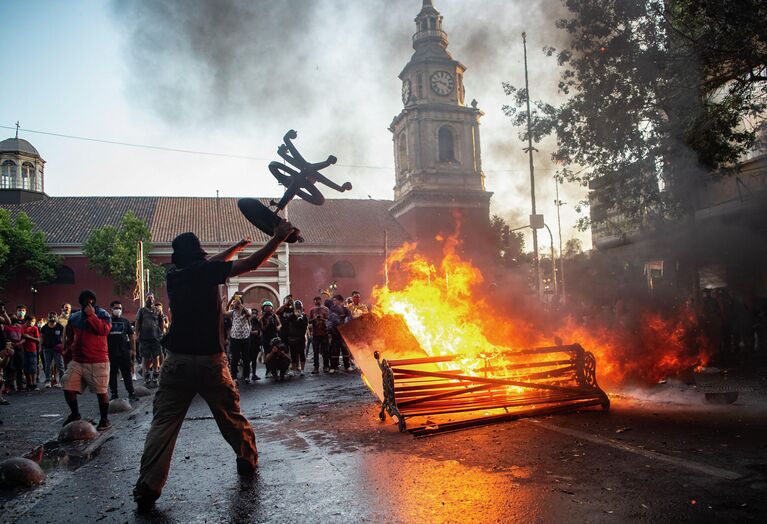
x: 17, y: 128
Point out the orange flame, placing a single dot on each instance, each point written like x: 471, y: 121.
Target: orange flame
x: 443, y: 305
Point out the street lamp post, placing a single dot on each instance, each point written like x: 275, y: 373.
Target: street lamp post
x: 559, y: 204
x: 530, y: 150
x: 33, y: 290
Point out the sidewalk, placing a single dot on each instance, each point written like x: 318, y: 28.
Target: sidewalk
x: 35, y: 417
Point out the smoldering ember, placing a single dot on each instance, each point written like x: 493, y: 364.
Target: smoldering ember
x: 234, y: 289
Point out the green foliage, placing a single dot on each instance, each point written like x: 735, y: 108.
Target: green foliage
x: 112, y: 252
x: 509, y: 245
x: 573, y: 248
x: 660, y: 95
x: 23, y: 251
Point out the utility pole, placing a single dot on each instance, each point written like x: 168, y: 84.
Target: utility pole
x: 530, y: 150
x: 559, y: 204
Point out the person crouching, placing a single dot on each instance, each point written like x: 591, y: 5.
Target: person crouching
x: 277, y: 360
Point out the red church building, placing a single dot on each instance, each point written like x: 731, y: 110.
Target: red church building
x: 439, y: 183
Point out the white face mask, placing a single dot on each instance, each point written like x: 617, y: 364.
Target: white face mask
x: 117, y: 312
x: 21, y: 313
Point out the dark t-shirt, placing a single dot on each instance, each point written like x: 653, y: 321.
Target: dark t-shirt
x: 269, y: 328
x: 198, y: 321
x: 151, y: 324
x: 118, y: 339
x: 52, y: 335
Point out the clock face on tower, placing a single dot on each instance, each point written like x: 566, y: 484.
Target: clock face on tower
x: 406, y: 91
x: 442, y: 83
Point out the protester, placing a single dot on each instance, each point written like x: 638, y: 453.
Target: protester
x: 277, y: 360
x: 339, y: 314
x: 318, y: 317
x: 149, y: 324
x: 196, y: 363
x: 357, y: 308
x: 14, y: 331
x: 285, y: 313
x: 53, y: 345
x: 239, y: 340
x: 87, y: 332
x: 296, y: 335
x: 270, y: 327
x: 121, y: 343
x: 255, y: 343
x: 6, y: 358
x: 31, y: 342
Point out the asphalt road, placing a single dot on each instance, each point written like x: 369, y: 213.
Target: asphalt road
x: 325, y: 457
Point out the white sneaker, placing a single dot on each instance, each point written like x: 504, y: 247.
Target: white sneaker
x: 247, y: 380
x: 134, y: 377
x: 332, y: 371
x: 47, y: 384
x: 58, y: 385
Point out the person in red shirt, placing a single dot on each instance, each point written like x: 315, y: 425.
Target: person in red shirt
x: 87, y: 332
x: 31, y: 342
x: 13, y: 331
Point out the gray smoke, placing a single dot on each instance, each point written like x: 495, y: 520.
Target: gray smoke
x: 328, y: 68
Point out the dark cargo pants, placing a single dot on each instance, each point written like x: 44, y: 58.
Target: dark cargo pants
x: 182, y: 378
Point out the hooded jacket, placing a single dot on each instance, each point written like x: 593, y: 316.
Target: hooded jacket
x: 87, y: 337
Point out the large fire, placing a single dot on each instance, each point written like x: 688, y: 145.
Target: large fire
x: 445, y: 306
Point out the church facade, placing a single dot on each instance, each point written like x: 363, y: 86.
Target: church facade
x: 439, y: 189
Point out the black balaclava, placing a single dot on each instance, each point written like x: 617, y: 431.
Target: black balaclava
x: 187, y: 250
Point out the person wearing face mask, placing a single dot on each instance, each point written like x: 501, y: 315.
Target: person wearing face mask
x: 87, y: 333
x: 52, y: 334
x: 31, y: 356
x: 121, y: 342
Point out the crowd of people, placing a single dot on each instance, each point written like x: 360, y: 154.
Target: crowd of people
x: 34, y: 349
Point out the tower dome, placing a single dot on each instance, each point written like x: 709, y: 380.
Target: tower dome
x: 21, y: 171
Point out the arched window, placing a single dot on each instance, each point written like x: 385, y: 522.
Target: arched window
x: 64, y: 275
x: 343, y: 269
x: 446, y: 145
x: 28, y: 176
x: 255, y: 296
x: 8, y: 174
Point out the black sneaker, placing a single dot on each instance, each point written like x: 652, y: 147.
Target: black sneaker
x: 132, y: 397
x: 256, y: 377
x: 144, y: 500
x: 114, y: 397
x: 72, y: 418
x: 104, y: 425
x: 316, y: 371
x: 245, y: 468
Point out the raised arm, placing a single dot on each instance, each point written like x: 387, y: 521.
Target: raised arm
x: 281, y: 232
x: 230, y: 252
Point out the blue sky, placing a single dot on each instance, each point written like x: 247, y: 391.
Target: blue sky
x: 74, y: 67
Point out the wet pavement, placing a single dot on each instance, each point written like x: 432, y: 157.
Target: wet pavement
x: 325, y: 457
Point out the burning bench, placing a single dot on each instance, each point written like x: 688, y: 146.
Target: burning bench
x: 473, y: 390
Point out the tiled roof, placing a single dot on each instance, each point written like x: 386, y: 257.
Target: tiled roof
x: 339, y: 222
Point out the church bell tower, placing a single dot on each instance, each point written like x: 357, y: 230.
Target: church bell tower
x: 439, y: 180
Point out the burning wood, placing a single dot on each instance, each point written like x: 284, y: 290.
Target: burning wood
x: 503, y: 385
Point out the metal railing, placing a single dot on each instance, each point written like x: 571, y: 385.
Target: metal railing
x: 431, y: 33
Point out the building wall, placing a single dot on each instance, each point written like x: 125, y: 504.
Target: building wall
x: 311, y: 272
x: 308, y: 273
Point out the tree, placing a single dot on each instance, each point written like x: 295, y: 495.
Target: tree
x: 23, y: 251
x: 660, y: 95
x: 573, y: 248
x: 112, y: 252
x: 509, y: 245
